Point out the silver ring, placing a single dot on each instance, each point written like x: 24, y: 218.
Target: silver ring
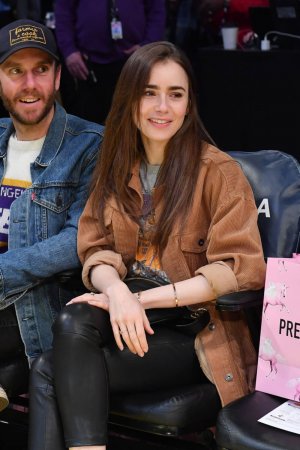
x: 92, y: 293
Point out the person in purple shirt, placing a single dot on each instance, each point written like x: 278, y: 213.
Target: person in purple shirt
x: 95, y: 39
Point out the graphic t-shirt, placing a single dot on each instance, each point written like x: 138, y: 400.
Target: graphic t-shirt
x: 147, y: 263
x: 17, y: 177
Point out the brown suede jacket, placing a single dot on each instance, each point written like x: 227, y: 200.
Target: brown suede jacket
x: 219, y: 240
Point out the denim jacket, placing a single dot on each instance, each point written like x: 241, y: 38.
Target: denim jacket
x: 43, y: 225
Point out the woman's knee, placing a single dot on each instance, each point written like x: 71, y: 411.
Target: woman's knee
x: 83, y: 319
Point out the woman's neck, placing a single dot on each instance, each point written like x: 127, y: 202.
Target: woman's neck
x: 155, y: 152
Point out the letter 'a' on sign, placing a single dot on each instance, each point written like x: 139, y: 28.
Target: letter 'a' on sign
x: 264, y: 208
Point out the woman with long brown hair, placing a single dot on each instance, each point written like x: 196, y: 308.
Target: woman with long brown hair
x: 166, y: 209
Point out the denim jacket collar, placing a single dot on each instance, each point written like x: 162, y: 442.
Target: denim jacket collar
x: 7, y: 123
x: 53, y: 139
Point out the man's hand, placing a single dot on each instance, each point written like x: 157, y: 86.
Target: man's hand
x: 77, y: 66
x: 131, y: 49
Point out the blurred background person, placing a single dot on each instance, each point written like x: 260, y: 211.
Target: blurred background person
x: 6, y: 16
x: 186, y: 26
x: 95, y: 39
x: 30, y: 9
x: 6, y: 13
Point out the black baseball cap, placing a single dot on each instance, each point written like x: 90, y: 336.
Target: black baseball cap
x: 25, y: 33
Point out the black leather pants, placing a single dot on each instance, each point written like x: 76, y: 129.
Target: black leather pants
x: 87, y: 366
x: 12, y: 353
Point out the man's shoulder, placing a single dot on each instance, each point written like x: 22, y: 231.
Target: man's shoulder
x: 70, y: 135
x: 76, y: 125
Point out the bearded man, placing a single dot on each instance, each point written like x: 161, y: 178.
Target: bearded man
x: 46, y: 161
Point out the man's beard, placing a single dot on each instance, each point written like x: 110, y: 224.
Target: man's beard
x: 21, y: 118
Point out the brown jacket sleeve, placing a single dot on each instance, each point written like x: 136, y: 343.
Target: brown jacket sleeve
x: 234, y: 251
x: 94, y: 248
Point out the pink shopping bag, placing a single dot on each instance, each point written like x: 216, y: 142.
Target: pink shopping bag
x: 278, y: 370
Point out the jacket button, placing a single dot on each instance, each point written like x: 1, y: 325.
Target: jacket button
x: 201, y: 242
x: 228, y: 377
x: 211, y: 326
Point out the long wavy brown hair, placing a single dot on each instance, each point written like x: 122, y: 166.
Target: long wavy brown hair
x: 122, y: 147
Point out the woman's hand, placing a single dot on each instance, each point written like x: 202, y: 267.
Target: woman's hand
x: 99, y: 300
x: 128, y: 319
x: 127, y: 315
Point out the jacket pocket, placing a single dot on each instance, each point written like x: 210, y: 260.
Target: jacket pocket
x: 56, y: 199
x: 194, y: 248
x: 52, y: 206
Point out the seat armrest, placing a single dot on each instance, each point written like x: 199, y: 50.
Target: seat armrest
x: 237, y: 301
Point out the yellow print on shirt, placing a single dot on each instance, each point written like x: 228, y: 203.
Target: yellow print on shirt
x: 13, y: 188
x: 147, y: 256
